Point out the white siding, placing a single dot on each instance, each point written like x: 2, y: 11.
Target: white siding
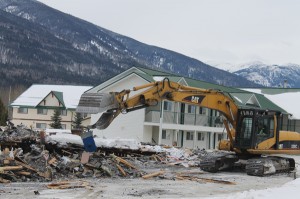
x: 147, y: 134
x: 130, y: 125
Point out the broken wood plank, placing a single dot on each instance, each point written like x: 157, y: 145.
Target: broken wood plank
x: 31, y: 168
x: 2, y: 180
x: 121, y: 170
x: 158, y: 173
x: 6, y: 162
x: 194, y: 178
x: 67, y: 152
x: 68, y: 185
x: 26, y: 166
x: 118, y: 159
x: 53, y: 161
x: 24, y: 173
x: 10, y: 168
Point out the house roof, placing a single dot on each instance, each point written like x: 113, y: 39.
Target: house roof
x: 68, y: 95
x: 243, y: 98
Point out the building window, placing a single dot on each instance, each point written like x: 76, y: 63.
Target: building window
x: 63, y: 112
x: 167, y: 106
x: 191, y: 109
x: 200, y: 136
x: 189, y: 136
x: 85, y: 115
x: 202, y: 111
x: 63, y: 126
x: 42, y: 111
x: 23, y: 110
x: 41, y: 125
x: 164, y: 134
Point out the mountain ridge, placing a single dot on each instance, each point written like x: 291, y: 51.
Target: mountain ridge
x: 287, y: 75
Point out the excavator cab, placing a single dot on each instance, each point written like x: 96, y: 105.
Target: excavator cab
x: 254, y: 127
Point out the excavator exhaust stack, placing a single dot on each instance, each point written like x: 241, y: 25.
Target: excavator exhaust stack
x: 93, y: 103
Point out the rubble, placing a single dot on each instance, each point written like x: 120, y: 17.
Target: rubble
x: 26, y: 155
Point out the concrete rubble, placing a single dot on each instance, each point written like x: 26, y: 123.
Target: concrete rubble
x: 29, y: 156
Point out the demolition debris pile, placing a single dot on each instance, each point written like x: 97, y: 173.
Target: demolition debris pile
x: 27, y: 155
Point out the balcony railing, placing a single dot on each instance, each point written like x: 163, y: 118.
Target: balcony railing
x: 184, y: 118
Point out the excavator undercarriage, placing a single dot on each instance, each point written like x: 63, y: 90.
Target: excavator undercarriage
x: 255, y: 166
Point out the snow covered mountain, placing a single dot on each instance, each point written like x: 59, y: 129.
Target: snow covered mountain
x: 287, y: 75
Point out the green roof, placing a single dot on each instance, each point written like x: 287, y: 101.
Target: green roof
x: 243, y: 99
x: 268, y: 104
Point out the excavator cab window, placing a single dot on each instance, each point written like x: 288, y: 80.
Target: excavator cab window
x: 264, y: 128
x: 247, y: 127
x: 245, y: 132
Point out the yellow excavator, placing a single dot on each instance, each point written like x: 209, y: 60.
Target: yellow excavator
x: 253, y: 134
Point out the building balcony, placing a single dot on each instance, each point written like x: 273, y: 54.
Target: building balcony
x: 183, y: 118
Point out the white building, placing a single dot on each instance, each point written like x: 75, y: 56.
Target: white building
x: 170, y: 123
x: 36, y: 105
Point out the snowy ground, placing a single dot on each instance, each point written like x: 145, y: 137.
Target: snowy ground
x: 245, y: 187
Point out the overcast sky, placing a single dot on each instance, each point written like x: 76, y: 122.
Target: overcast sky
x: 213, y: 31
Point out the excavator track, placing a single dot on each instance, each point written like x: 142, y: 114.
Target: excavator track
x: 264, y: 166
x: 217, y: 161
x: 258, y: 166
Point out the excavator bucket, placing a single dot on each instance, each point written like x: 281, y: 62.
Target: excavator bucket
x: 96, y: 103
x: 105, y: 120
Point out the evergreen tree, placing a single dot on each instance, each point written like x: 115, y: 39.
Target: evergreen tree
x: 3, y: 113
x: 76, y: 123
x: 56, y: 119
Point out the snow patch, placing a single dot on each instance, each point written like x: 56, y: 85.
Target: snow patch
x: 64, y: 139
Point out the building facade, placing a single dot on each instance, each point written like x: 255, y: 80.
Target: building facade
x: 170, y: 123
x: 35, y: 107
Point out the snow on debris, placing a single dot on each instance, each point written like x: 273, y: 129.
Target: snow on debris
x: 64, y: 139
